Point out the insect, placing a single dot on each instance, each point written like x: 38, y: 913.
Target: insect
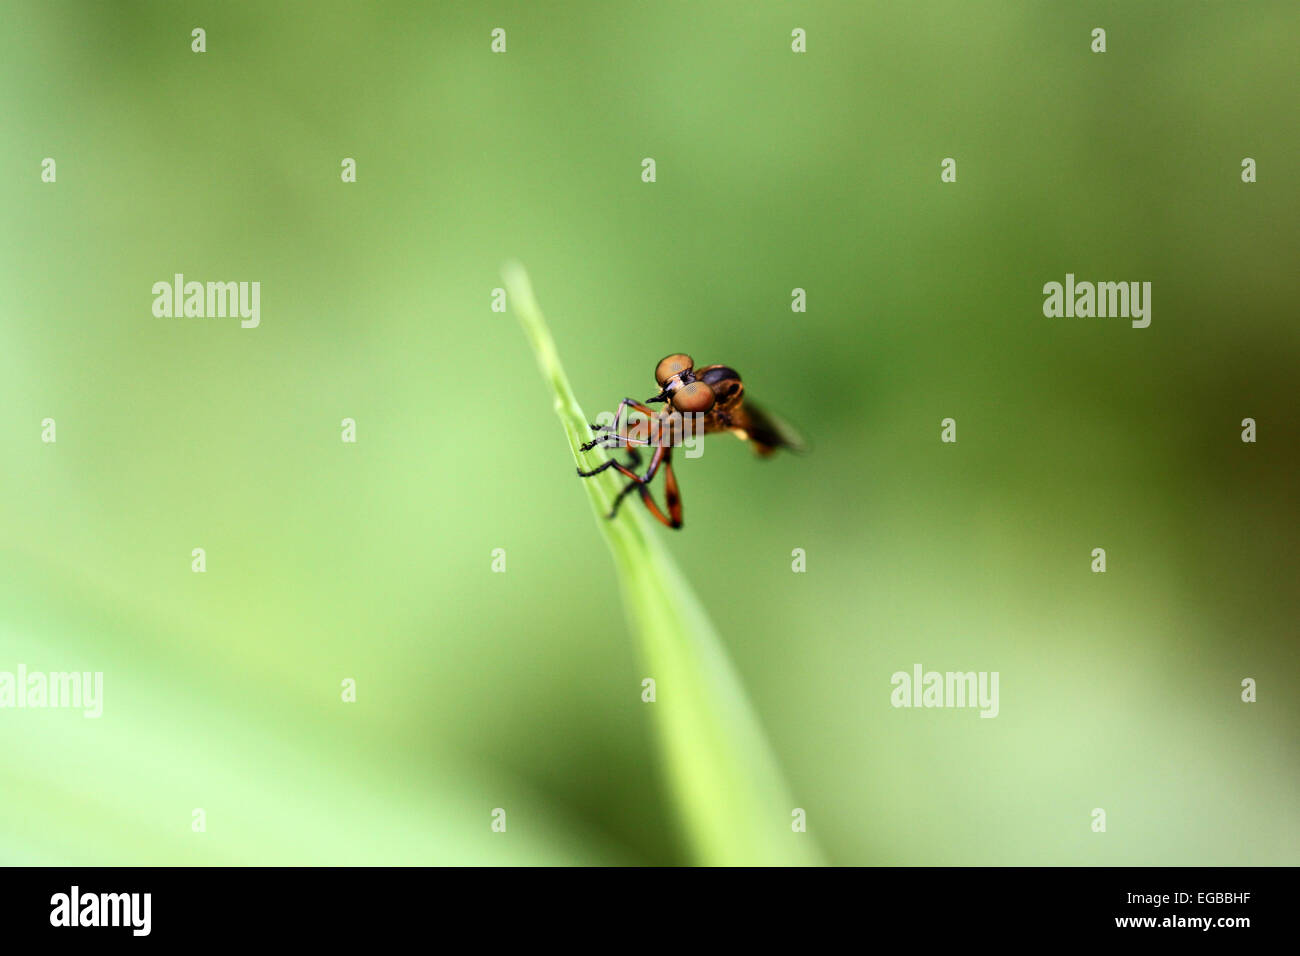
x: 713, y: 397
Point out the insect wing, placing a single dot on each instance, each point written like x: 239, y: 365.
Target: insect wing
x: 770, y: 431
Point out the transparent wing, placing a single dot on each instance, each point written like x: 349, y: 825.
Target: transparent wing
x: 771, y: 431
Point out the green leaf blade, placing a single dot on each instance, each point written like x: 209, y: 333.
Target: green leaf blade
x: 723, y: 778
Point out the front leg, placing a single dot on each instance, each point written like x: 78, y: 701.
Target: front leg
x: 612, y: 430
x: 633, y: 461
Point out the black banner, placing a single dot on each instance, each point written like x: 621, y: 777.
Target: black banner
x: 1169, y: 906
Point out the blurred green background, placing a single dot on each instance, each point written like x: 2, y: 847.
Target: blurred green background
x: 521, y: 690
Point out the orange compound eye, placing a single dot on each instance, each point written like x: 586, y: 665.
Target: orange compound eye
x: 672, y: 365
x: 695, y: 397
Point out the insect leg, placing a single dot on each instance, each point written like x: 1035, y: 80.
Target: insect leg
x: 671, y: 493
x: 654, y: 508
x: 633, y: 462
x: 638, y: 481
x: 597, y: 470
x: 612, y: 430
x: 621, y: 495
x: 642, y: 486
x: 614, y: 441
x: 612, y: 463
x: 664, y: 455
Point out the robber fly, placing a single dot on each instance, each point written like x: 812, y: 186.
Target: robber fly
x: 712, y: 395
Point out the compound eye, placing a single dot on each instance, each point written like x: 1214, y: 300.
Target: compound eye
x: 672, y: 365
x: 695, y: 397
